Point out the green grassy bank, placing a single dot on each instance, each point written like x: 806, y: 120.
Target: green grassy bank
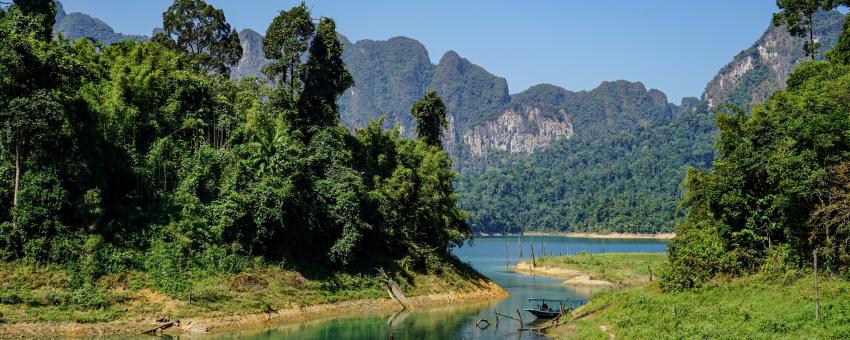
x: 40, y: 294
x: 761, y: 305
x: 623, y: 269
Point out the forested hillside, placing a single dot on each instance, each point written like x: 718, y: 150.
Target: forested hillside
x: 551, y: 159
x: 776, y: 195
x: 623, y: 169
x: 619, y: 173
x: 147, y: 157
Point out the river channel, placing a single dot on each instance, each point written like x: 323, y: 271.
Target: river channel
x: 457, y: 321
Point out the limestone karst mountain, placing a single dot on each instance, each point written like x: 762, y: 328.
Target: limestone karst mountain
x: 609, y: 158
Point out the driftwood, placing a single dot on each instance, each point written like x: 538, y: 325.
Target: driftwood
x: 160, y: 327
x: 507, y: 316
x: 397, y: 295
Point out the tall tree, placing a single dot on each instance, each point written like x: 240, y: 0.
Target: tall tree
x: 430, y: 114
x: 36, y: 74
x: 41, y: 16
x: 202, y: 31
x: 325, y: 78
x: 286, y: 40
x: 798, y: 18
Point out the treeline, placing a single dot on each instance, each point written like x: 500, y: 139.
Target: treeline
x: 623, y: 182
x: 777, y: 194
x: 147, y: 156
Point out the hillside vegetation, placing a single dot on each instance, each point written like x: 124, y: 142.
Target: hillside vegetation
x: 144, y: 166
x: 763, y: 249
x: 754, y: 307
x: 779, y: 183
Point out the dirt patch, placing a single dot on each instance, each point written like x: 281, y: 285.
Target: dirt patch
x: 587, y: 281
x: 556, y: 272
x: 575, y: 278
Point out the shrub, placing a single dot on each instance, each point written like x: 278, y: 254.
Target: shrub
x: 247, y: 282
x: 780, y: 264
x: 167, y: 264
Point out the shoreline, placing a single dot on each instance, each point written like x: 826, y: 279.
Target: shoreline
x: 572, y: 277
x: 217, y: 324
x: 624, y: 236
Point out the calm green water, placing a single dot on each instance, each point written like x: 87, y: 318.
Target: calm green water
x: 487, y: 255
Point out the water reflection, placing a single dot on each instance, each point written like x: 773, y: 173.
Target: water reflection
x: 457, y: 321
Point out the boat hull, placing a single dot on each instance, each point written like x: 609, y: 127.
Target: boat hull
x: 543, y: 314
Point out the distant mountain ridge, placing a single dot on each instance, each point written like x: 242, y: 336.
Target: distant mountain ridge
x: 78, y: 25
x: 547, y: 158
x: 391, y: 75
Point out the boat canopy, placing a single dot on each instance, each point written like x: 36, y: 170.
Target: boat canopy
x: 557, y: 300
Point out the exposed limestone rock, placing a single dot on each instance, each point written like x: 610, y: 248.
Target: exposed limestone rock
x: 757, y: 72
x: 517, y: 132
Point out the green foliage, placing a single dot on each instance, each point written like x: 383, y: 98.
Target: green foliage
x: 325, y: 78
x: 202, y: 31
x: 430, y: 114
x: 749, y: 307
x: 136, y: 157
x: 286, y: 40
x: 41, y: 13
x: 774, y: 193
x: 621, y: 172
x: 798, y: 17
x: 841, y: 52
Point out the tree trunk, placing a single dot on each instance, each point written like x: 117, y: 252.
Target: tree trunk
x: 17, y: 173
x: 812, y: 36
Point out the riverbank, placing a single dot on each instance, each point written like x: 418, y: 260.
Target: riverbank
x: 624, y: 236
x: 34, y: 304
x: 597, y: 270
x: 745, y: 308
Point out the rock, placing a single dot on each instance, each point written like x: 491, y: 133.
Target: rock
x: 196, y: 327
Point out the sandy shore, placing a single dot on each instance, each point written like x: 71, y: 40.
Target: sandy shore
x: 487, y: 290
x: 659, y: 236
x: 574, y: 278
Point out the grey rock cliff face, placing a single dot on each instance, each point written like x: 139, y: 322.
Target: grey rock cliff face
x: 755, y: 73
x: 253, y: 57
x: 517, y: 131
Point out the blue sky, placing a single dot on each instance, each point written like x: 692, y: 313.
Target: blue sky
x: 674, y: 46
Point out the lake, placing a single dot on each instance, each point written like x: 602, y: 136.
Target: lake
x: 487, y: 255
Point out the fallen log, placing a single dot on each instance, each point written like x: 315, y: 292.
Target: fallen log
x: 160, y: 327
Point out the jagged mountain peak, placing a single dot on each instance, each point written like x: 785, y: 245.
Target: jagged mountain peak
x: 253, y: 57
x: 60, y: 11
x: 758, y: 71
x: 80, y: 25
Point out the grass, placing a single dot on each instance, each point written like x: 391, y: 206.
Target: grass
x: 30, y: 293
x: 750, y: 307
x: 625, y: 269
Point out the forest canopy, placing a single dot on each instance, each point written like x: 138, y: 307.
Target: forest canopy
x: 778, y: 188
x: 146, y: 156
